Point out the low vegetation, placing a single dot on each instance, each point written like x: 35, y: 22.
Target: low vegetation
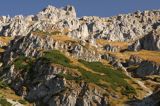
x: 8, y: 94
x: 111, y: 77
x: 146, y: 55
x: 57, y: 57
x: 101, y: 73
x: 3, y: 85
x: 4, y: 102
x: 113, y: 43
x: 40, y: 32
x: 5, y: 40
x: 23, y: 63
x: 69, y: 76
x: 114, y: 77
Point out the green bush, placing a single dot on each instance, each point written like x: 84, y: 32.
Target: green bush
x: 4, y: 102
x: 3, y: 85
x: 19, y: 62
x: 128, y: 90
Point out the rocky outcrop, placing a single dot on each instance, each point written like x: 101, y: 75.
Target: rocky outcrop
x: 42, y: 81
x: 148, y: 42
x: 152, y: 100
x: 80, y: 33
x: 111, y: 48
x: 46, y: 19
x: 135, y: 60
x: 54, y: 14
x: 125, y: 27
x: 32, y: 45
x: 147, y: 68
x: 113, y: 60
x: 42, y: 84
x: 109, y: 57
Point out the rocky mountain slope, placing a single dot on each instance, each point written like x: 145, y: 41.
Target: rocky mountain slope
x: 54, y: 58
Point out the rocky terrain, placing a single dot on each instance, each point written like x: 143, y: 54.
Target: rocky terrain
x: 54, y: 58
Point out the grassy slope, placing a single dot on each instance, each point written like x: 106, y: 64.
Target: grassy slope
x: 99, y: 72
x: 91, y: 72
x: 113, y: 78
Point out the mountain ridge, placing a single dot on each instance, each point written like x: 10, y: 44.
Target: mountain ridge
x: 54, y: 58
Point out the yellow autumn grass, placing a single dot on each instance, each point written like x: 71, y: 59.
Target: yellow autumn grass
x: 113, y: 43
x: 5, y: 40
x: 147, y: 55
x: 61, y: 38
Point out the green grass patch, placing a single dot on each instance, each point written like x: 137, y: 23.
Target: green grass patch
x: 70, y: 77
x: 114, y: 77
x: 99, y: 67
x: 57, y: 57
x: 89, y: 76
x: 23, y: 63
x: 47, y: 33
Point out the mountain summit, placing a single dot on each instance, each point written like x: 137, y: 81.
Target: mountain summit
x: 54, y: 58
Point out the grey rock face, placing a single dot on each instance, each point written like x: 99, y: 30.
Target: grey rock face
x: 135, y: 47
x: 111, y: 48
x: 32, y: 44
x: 148, y: 42
x: 152, y: 100
x: 20, y: 25
x: 127, y: 27
x: 54, y: 14
x: 81, y: 32
x: 123, y: 27
x: 145, y: 67
x: 16, y: 26
x: 148, y: 68
x: 134, y: 60
x: 46, y: 87
x: 109, y: 57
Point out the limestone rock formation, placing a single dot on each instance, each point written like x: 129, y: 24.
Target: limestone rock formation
x: 148, y: 68
x: 152, y: 100
x: 148, y: 42
x: 54, y: 58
